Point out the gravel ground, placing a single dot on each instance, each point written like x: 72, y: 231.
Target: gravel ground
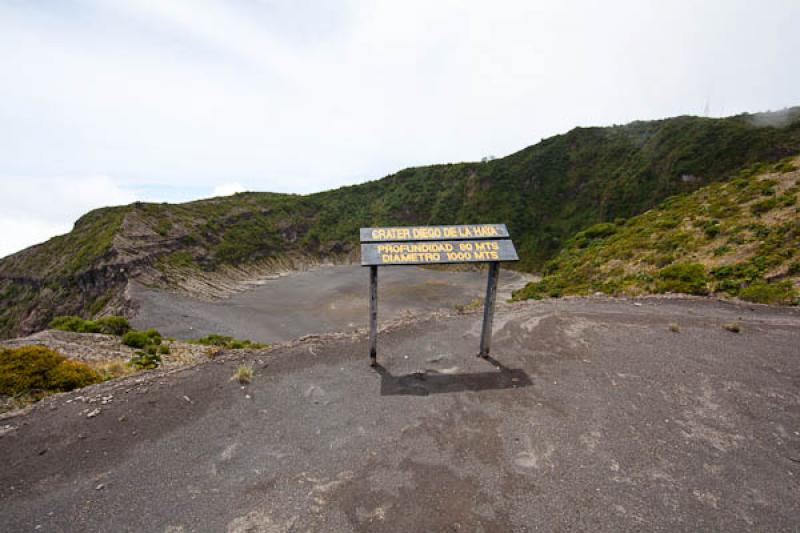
x: 594, y: 415
x: 333, y: 298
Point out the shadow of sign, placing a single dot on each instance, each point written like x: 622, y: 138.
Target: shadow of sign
x: 432, y: 382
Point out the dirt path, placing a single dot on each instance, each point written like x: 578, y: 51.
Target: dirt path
x: 595, y: 417
x: 332, y: 298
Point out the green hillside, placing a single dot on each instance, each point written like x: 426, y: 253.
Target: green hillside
x: 546, y: 193
x: 736, y: 238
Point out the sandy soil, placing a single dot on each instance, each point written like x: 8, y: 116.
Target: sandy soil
x: 333, y: 298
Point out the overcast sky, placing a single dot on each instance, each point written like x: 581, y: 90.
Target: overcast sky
x: 105, y: 102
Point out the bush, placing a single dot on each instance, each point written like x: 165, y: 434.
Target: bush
x: 74, y: 323
x: 711, y: 228
x: 721, y: 250
x: 70, y: 375
x: 145, y: 361
x: 153, y: 335
x: 595, y: 232
x: 688, y: 278
x: 136, y: 339
x: 111, y: 325
x: 759, y: 208
x: 40, y: 369
x: 769, y: 293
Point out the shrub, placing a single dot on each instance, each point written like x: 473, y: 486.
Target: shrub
x: 786, y: 200
x: 759, y: 208
x: 768, y: 293
x: 688, y: 278
x: 163, y: 349
x: 145, y: 361
x: 721, y: 250
x: 153, y: 335
x: 74, y: 323
x: 711, y: 228
x: 70, y: 375
x: 731, y: 278
x: 595, y: 232
x: 39, y: 369
x: 598, y: 231
x: 136, y: 339
x: 113, y: 325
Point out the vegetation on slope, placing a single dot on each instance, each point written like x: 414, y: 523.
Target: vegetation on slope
x: 738, y: 238
x: 546, y: 193
x: 31, y: 372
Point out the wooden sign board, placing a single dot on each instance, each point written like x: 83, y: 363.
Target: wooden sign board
x: 434, y: 233
x: 430, y: 245
x: 436, y: 252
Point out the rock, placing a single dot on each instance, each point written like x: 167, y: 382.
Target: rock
x: 315, y: 394
x: 93, y: 413
x: 99, y: 487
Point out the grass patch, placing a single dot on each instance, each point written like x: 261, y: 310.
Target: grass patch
x: 230, y: 343
x: 243, y: 374
x: 475, y: 304
x: 733, y: 327
x: 112, y: 369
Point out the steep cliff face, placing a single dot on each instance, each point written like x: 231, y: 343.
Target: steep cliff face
x: 546, y: 193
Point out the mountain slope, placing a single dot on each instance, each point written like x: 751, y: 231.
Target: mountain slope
x: 545, y: 193
x: 736, y: 238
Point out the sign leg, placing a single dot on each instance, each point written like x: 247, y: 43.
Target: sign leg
x: 373, y: 314
x: 488, y: 309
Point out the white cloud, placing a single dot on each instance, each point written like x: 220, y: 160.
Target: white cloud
x: 227, y: 189
x: 35, y: 209
x: 19, y: 233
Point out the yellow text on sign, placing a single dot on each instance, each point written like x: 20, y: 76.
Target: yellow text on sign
x: 474, y: 231
x: 433, y: 252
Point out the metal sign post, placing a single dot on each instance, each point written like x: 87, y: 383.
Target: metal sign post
x: 429, y: 245
x: 373, y: 313
x: 488, y: 308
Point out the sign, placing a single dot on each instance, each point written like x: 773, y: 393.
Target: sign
x: 430, y: 245
x: 435, y: 252
x: 434, y: 233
